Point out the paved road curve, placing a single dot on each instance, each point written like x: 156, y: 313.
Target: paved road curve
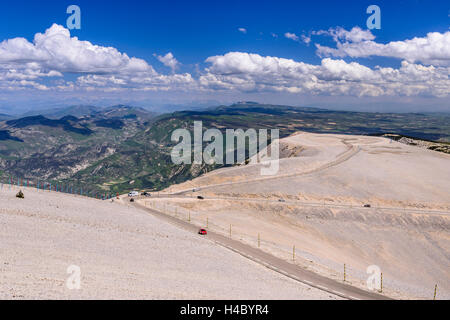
x: 281, y: 266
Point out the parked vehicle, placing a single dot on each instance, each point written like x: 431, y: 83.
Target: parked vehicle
x: 203, y: 232
x: 200, y: 198
x: 367, y: 206
x: 133, y: 194
x: 146, y: 194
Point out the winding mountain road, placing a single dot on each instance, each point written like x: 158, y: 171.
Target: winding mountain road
x: 290, y: 270
x: 346, y: 155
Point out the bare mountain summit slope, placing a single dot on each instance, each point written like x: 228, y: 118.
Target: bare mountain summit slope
x: 316, y: 202
x: 122, y: 252
x: 342, y: 168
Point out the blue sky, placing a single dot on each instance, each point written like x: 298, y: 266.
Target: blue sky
x: 195, y: 31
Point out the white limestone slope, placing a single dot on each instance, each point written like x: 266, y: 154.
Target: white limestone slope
x: 324, y: 181
x: 123, y: 253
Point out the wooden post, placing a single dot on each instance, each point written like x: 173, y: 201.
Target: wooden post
x: 259, y: 240
x: 293, y: 253
x: 381, y: 283
x: 435, y: 291
x: 230, y: 230
x: 207, y: 223
x: 189, y: 219
x: 344, y: 273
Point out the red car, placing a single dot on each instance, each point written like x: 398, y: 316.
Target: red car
x: 203, y: 232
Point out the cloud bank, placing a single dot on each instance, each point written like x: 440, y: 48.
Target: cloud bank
x: 252, y: 72
x: 434, y: 49
x: 44, y: 64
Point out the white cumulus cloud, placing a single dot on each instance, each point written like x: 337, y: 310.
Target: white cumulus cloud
x: 306, y: 39
x: 57, y: 50
x: 42, y: 64
x: 291, y: 36
x: 169, y: 61
x: 252, y: 72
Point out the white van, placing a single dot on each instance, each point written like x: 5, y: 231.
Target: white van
x: 133, y: 194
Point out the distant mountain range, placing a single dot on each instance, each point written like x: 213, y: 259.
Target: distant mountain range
x: 5, y: 117
x: 120, y: 148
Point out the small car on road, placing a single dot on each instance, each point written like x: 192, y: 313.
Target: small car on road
x: 133, y: 194
x: 203, y: 232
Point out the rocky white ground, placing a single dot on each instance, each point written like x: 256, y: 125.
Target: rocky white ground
x: 323, y: 182
x: 123, y: 253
